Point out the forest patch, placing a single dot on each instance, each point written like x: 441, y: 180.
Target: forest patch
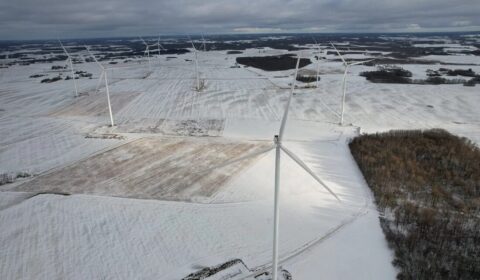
x: 273, y: 63
x: 427, y: 187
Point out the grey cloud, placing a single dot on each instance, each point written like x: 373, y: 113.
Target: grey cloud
x: 29, y: 19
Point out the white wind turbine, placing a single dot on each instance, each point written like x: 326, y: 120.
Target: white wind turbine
x: 344, y: 84
x: 197, y: 75
x: 204, y: 45
x: 69, y: 59
x: 278, y: 146
x: 147, y: 51
x: 104, y: 75
x: 159, y: 47
x: 318, y: 62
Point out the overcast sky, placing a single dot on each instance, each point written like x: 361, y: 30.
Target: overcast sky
x: 36, y: 19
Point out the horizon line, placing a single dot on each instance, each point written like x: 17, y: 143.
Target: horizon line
x: 246, y: 33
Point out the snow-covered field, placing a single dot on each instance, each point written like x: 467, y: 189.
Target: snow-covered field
x: 186, y: 222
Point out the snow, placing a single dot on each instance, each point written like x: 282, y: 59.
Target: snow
x: 454, y: 59
x: 346, y: 254
x: 166, y: 238
x: 85, y: 236
x: 8, y: 199
x: 446, y: 46
x: 44, y: 143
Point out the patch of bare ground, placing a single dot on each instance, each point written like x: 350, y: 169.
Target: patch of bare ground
x: 212, y: 127
x: 95, y: 104
x: 150, y: 168
x: 427, y: 187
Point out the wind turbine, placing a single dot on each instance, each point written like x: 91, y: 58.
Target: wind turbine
x: 147, y: 51
x: 203, y: 43
x: 69, y: 59
x: 104, y: 75
x: 344, y: 84
x: 159, y: 46
x: 197, y: 75
x: 278, y: 146
x: 318, y: 62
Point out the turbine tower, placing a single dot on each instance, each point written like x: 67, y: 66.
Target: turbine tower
x: 344, y: 84
x: 69, y: 59
x: 197, y: 75
x: 279, y: 147
x: 104, y: 75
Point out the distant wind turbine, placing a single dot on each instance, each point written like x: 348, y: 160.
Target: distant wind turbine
x: 69, y: 59
x: 104, y: 75
x: 278, y: 146
x: 147, y: 51
x: 344, y: 84
x: 197, y: 75
x: 318, y: 62
x: 159, y: 47
x: 204, y: 45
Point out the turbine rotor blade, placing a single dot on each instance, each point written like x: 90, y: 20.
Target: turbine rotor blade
x: 308, y: 170
x: 360, y: 62
x: 145, y: 43
x: 229, y: 162
x: 64, y: 50
x: 344, y: 62
x: 100, y: 79
x: 191, y: 41
x: 285, y: 113
x: 94, y: 58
